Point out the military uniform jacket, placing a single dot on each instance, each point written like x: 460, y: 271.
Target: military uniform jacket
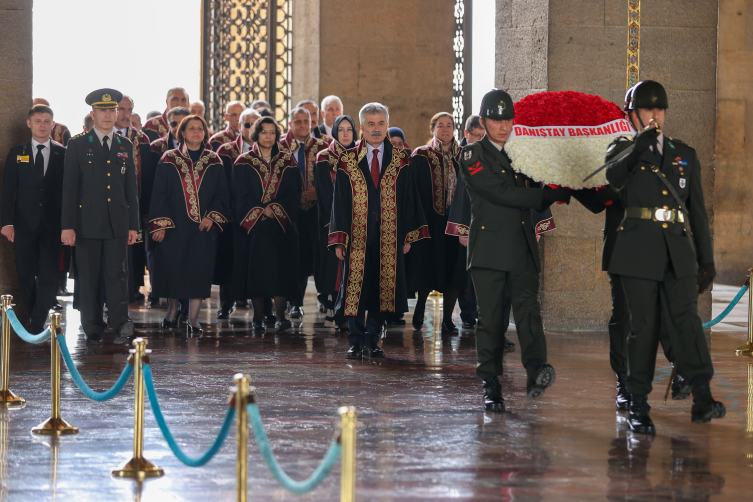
x: 100, y: 194
x: 501, y: 234
x: 645, y: 248
x: 604, y: 199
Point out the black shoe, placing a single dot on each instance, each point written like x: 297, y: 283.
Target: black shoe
x: 681, y: 388
x: 94, y: 340
x: 123, y: 333
x: 493, y: 395
x: 225, y: 314
x: 469, y: 324
x: 375, y: 353
x: 64, y: 292
x: 322, y: 309
x: 270, y: 318
x: 638, y: 419
x: 139, y: 297
x: 704, y: 407
x: 448, y: 327
x: 195, y: 331
x: 355, y: 352
x: 165, y: 324
x: 243, y: 304
x: 418, y: 319
x: 296, y: 312
x: 623, y: 396
x: 509, y: 346
x: 57, y: 307
x: 540, y: 376
x: 283, y: 324
x: 258, y: 326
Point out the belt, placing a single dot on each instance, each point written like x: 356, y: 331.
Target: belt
x: 655, y: 214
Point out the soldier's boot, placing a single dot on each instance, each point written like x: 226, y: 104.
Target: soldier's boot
x: 638, y: 419
x: 680, y: 388
x: 704, y: 407
x: 623, y: 396
x: 540, y: 376
x: 493, y: 395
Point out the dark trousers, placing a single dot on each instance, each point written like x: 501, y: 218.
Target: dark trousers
x: 37, y: 256
x: 467, y: 303
x: 366, y: 334
x: 96, y: 259
x: 226, y: 297
x: 671, y: 304
x: 523, y: 288
x: 308, y: 250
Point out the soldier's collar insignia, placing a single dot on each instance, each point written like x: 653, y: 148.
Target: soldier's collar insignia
x: 672, y: 146
x: 118, y: 139
x: 91, y: 140
x: 467, y: 155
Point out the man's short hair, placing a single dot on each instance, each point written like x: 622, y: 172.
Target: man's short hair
x: 295, y: 111
x: 261, y: 102
x: 331, y: 99
x: 307, y: 102
x: 371, y: 109
x: 247, y: 112
x: 88, y: 119
x: 178, y: 110
x: 173, y: 89
x: 199, y: 102
x: 473, y: 122
x: 265, y: 112
x: 152, y: 114
x: 40, y: 109
x: 233, y: 103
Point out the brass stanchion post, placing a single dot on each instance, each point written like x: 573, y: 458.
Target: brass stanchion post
x: 242, y: 398
x: 348, y: 454
x: 747, y: 349
x: 138, y: 467
x: 6, y: 396
x: 55, y: 425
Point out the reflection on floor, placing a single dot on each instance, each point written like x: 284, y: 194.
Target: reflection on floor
x: 423, y: 434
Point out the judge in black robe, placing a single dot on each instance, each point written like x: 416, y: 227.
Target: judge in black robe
x: 266, y: 196
x: 432, y: 264
x: 372, y: 226
x: 328, y: 278
x: 190, y: 204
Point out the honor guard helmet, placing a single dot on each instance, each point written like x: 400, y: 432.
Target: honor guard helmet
x: 497, y: 104
x: 103, y: 99
x: 649, y: 94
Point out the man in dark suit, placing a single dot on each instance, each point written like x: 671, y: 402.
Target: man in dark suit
x: 32, y: 197
x: 100, y: 216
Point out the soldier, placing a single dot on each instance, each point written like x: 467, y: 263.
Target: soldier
x: 502, y: 251
x: 100, y: 216
x: 663, y: 256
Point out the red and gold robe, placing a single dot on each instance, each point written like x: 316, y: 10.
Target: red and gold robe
x: 311, y: 149
x: 156, y: 127
x: 141, y: 149
x: 224, y: 136
x: 60, y: 133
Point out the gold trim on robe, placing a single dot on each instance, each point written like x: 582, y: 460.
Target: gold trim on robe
x: 417, y: 235
x: 219, y: 221
x: 433, y: 154
x: 311, y: 148
x: 57, y: 132
x: 456, y: 229
x: 158, y: 124
x: 191, y: 175
x: 227, y: 135
x: 158, y: 224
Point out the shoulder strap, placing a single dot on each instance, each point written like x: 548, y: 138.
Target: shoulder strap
x: 685, y: 214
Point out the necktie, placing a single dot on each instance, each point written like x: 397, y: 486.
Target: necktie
x: 39, y: 161
x: 120, y: 132
x: 657, y: 153
x: 375, y: 167
x: 105, y: 146
x: 302, y: 159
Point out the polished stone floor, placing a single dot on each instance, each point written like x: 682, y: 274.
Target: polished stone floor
x: 423, y: 433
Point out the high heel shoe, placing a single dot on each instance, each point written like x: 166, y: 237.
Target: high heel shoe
x: 193, y: 330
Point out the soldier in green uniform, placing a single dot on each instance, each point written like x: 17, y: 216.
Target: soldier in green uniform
x: 663, y: 255
x: 100, y: 216
x: 502, y: 251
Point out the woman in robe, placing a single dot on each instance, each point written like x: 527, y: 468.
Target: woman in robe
x: 190, y: 204
x: 344, y: 134
x: 433, y: 264
x: 267, y: 189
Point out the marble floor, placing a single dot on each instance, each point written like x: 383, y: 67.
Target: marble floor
x: 423, y: 432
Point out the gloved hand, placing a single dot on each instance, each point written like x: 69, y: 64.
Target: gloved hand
x: 706, y: 274
x: 552, y: 195
x: 642, y: 141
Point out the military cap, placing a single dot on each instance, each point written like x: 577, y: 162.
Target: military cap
x: 649, y: 94
x: 497, y: 105
x: 104, y: 98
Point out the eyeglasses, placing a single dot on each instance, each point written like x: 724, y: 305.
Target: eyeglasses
x: 174, y: 123
x: 247, y: 125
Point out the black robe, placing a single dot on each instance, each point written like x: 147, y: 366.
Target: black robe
x: 185, y: 192
x: 432, y: 263
x: 266, y: 249
x: 223, y: 264
x: 355, y: 205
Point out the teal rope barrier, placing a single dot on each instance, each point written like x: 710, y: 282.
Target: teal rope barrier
x: 286, y: 481
x: 21, y: 331
x: 726, y: 311
x: 79, y: 381
x: 191, y: 462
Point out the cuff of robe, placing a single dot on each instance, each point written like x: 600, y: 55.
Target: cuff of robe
x: 543, y: 226
x: 456, y: 229
x: 251, y: 218
x: 158, y: 224
x: 417, y: 235
x: 280, y: 215
x: 336, y: 238
x: 218, y: 220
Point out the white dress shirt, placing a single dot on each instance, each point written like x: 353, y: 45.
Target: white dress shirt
x: 101, y: 135
x: 370, y: 155
x: 327, y: 129
x: 246, y: 147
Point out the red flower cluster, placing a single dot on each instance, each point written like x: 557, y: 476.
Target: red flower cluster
x: 565, y: 108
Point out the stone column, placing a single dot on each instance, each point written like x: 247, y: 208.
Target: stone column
x: 15, y: 101
x: 395, y: 52
x: 556, y: 45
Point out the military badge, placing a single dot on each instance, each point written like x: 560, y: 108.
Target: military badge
x: 682, y: 182
x: 122, y: 169
x: 467, y: 155
x: 501, y: 107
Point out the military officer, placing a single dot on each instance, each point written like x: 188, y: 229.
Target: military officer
x: 502, y: 251
x: 663, y: 255
x: 100, y: 216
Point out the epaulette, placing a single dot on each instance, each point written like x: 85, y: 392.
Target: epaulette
x: 470, y: 153
x: 79, y: 135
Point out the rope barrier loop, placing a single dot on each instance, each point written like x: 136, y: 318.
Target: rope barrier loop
x: 21, y: 331
x: 729, y: 308
x: 191, y: 462
x: 79, y: 381
x: 286, y: 481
